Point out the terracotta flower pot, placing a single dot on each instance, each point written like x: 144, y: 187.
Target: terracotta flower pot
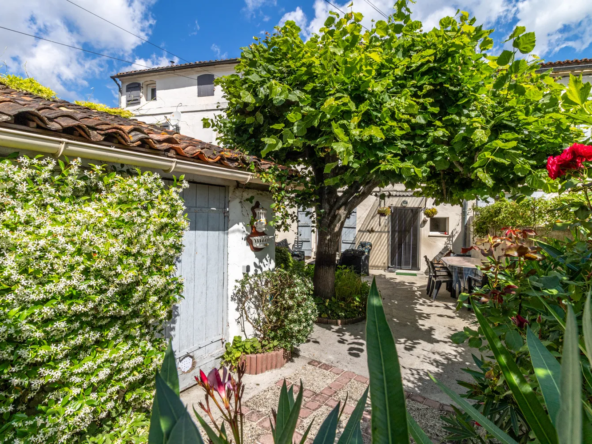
x: 262, y: 362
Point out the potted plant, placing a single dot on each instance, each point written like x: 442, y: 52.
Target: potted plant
x: 384, y: 211
x: 279, y: 307
x: 430, y: 212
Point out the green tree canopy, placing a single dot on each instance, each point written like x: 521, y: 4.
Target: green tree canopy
x: 353, y: 109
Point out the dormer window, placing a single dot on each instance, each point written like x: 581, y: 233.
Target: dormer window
x: 133, y: 92
x: 150, y: 91
x: 205, y: 85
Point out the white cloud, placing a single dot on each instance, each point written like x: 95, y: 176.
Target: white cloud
x: 298, y: 16
x: 557, y: 24
x: 218, y: 52
x: 195, y: 29
x: 252, y: 6
x: 64, y: 69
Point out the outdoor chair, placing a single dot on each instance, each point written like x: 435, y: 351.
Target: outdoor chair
x: 297, y: 252
x: 475, y: 282
x: 436, y: 277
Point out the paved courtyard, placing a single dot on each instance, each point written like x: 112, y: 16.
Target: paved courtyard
x: 333, y: 363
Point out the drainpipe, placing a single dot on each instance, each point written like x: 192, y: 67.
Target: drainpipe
x: 465, y: 218
x: 57, y: 147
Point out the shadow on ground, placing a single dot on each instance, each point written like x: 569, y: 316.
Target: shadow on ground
x: 422, y: 328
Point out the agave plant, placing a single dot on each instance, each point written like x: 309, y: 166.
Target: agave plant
x: 560, y: 419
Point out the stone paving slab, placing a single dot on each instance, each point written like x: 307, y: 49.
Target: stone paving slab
x: 332, y: 385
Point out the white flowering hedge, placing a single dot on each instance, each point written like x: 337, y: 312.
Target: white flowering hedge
x: 87, y: 279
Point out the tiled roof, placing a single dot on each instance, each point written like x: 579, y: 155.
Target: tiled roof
x: 567, y: 63
x: 61, y: 117
x: 177, y: 67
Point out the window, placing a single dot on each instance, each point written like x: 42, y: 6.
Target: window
x: 439, y: 225
x: 150, y: 92
x: 205, y: 85
x: 133, y: 93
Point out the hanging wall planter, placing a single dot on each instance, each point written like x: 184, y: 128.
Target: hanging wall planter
x: 430, y: 212
x: 258, y: 239
x: 384, y: 211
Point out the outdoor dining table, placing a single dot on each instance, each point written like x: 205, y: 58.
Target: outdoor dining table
x: 461, y: 267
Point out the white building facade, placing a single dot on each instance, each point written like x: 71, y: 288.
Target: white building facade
x: 177, y: 96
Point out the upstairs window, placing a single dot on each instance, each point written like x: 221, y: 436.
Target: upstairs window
x: 150, y: 92
x: 133, y: 92
x: 205, y: 85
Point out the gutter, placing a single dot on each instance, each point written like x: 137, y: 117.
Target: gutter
x: 57, y: 147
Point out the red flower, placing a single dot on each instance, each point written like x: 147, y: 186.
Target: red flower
x: 520, y: 321
x: 570, y: 159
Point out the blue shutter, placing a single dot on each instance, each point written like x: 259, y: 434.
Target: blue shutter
x: 348, y: 234
x: 305, y: 231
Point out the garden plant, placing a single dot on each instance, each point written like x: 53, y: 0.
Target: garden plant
x: 555, y: 414
x: 278, y: 306
x: 84, y: 295
x: 530, y: 292
x: 351, y: 109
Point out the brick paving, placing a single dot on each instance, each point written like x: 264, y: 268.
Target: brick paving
x: 317, y: 403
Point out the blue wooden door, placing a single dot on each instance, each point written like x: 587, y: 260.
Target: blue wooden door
x: 348, y: 234
x: 199, y: 324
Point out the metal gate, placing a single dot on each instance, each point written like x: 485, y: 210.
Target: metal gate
x: 405, y: 238
x: 348, y: 234
x: 305, y: 231
x: 199, y: 324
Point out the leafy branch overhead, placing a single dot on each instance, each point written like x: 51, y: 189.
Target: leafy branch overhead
x: 430, y: 109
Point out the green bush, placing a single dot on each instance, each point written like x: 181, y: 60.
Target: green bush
x: 104, y: 108
x: 530, y: 212
x: 28, y: 85
x: 240, y: 346
x: 278, y: 305
x: 283, y: 258
x: 87, y: 279
x: 351, y: 294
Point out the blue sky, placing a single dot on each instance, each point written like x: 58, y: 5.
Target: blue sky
x: 204, y: 30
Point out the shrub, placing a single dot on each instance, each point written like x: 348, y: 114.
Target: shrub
x: 28, y: 85
x: 87, y: 279
x: 351, y: 294
x: 278, y: 305
x: 240, y: 346
x: 283, y: 258
x: 104, y: 108
x: 529, y: 212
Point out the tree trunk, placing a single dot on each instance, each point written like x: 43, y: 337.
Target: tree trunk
x: 325, y: 266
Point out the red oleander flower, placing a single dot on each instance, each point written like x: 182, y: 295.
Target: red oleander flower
x: 570, y: 159
x: 520, y: 321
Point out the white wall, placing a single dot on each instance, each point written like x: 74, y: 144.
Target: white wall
x: 178, y: 92
x: 376, y: 229
x: 239, y: 252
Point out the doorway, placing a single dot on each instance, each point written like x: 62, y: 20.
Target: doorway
x: 405, y: 238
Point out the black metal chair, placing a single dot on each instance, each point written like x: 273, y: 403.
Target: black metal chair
x: 437, y: 277
x: 475, y: 282
x: 297, y: 251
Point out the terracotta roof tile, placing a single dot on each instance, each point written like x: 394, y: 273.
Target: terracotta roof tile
x: 31, y: 111
x: 567, y: 63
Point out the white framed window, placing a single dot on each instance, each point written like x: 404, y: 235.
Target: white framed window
x: 150, y: 91
x: 439, y: 226
x: 133, y: 92
x: 205, y: 85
